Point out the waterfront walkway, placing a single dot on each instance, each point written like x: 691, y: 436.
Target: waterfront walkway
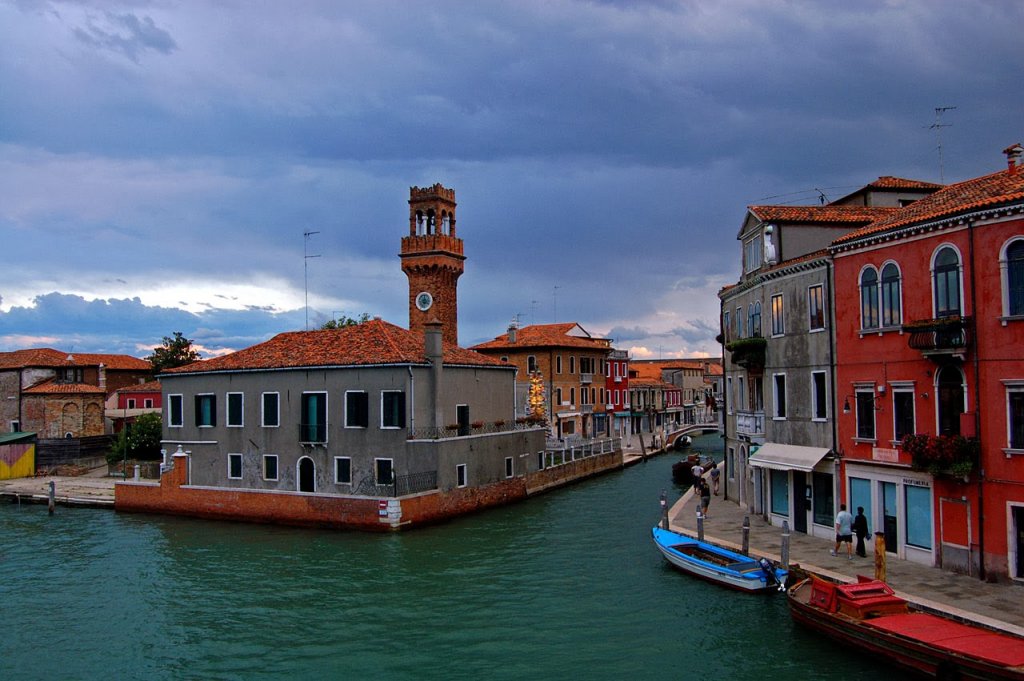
x: 95, y: 488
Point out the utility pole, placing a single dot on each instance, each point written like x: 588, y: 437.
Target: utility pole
x: 305, y: 267
x: 937, y: 126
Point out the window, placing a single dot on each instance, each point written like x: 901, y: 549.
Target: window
x: 726, y: 331
x: 558, y: 364
x: 235, y: 410
x: 175, y: 411
x: 753, y: 253
x: 234, y: 466
x: 384, y: 471
x: 342, y: 470
x: 866, y: 414
x: 148, y: 403
x: 780, y: 395
x: 70, y: 375
x: 869, y: 299
x: 313, y: 426
x: 730, y: 397
x: 950, y: 389
x: 891, y: 295
x: 509, y: 467
x: 816, y: 307
x: 270, y: 466
x: 206, y: 411
x: 558, y: 396
x: 1015, y: 416
x: 822, y: 500
x: 778, y: 320
x: 15, y: 426
x: 819, y: 395
x: 1011, y: 266
x: 739, y: 322
x: 730, y: 462
x: 946, y: 282
x: 460, y: 475
x: 131, y: 403
x: 780, y: 492
x: 531, y: 364
x: 587, y: 365
x: 902, y: 413
x: 754, y: 323
x: 271, y: 410
x: 572, y: 364
x: 572, y: 396
x: 392, y: 409
x: 357, y: 409
x: 919, y: 516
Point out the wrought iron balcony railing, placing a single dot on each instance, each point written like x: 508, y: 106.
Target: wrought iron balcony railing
x: 942, y: 336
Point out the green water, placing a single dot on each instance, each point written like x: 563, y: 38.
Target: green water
x: 566, y: 585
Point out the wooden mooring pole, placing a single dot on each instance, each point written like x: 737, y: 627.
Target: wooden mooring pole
x: 664, y: 510
x: 53, y: 496
x: 700, y: 524
x: 746, y: 536
x: 784, y: 555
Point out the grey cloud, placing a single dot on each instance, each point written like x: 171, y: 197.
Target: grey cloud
x: 126, y: 34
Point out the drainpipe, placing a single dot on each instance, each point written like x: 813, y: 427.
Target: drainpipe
x: 977, y: 408
x: 412, y: 401
x: 830, y: 282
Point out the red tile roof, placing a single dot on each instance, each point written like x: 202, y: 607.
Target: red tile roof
x: 543, y: 336
x: 839, y: 215
x: 890, y: 182
x: 48, y: 357
x: 372, y: 342
x: 147, y: 387
x: 51, y: 387
x: 960, y: 198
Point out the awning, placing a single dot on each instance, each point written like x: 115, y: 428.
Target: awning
x: 787, y: 457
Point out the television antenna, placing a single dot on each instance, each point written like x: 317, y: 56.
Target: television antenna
x: 305, y: 267
x: 937, y: 126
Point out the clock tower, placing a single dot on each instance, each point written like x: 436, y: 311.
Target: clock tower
x: 432, y: 259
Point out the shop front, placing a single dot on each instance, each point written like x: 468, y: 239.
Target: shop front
x: 897, y: 502
x: 796, y: 484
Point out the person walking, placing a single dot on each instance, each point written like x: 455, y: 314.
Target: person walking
x: 696, y: 472
x: 705, y: 497
x: 860, y: 528
x: 844, y: 531
x: 715, y: 474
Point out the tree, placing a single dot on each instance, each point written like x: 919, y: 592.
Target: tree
x: 344, y: 321
x: 174, y: 352
x: 139, y: 440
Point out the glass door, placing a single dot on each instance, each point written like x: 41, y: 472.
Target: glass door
x: 889, y: 524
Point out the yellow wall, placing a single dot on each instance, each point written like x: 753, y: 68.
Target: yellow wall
x: 17, y: 461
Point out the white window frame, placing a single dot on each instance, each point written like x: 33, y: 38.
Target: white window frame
x: 406, y: 419
x: 233, y: 456
x: 510, y: 467
x: 213, y: 396
x: 776, y: 416
x: 881, y: 295
x: 263, y: 409
x: 345, y: 406
x: 227, y: 410
x: 1011, y: 386
x: 531, y: 364
x: 814, y: 396
x: 277, y: 466
x: 810, y: 326
x: 869, y: 390
x: 959, y: 276
x: 781, y: 330
x: 338, y: 481
x: 376, y: 466
x: 558, y: 364
x: 130, y: 403
x: 147, y: 403
x: 461, y: 475
x: 903, y: 388
x: 170, y: 410
x: 1004, y: 278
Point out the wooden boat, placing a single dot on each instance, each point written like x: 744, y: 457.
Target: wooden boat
x: 718, y: 565
x: 682, y: 470
x: 870, y: 618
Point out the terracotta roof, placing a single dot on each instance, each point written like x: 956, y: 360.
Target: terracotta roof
x: 147, y: 387
x: 51, y: 387
x: 963, y: 197
x: 48, y: 357
x: 372, y: 342
x: 890, y: 182
x: 545, y: 335
x: 650, y: 383
x: 840, y: 215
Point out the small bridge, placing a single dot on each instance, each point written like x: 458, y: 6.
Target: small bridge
x: 689, y: 429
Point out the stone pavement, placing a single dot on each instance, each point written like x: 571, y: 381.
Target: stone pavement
x: 94, y: 488
x: 1000, y: 605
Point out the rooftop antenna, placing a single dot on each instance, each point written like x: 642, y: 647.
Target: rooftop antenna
x: 937, y: 126
x: 517, y: 319
x: 822, y: 199
x: 305, y: 266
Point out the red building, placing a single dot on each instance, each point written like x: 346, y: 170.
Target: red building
x: 929, y: 319
x: 616, y: 382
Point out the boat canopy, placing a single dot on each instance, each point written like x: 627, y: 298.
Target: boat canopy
x: 787, y: 457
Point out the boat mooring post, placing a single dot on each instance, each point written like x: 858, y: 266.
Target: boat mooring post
x: 664, y: 510
x: 784, y: 555
x: 880, y: 556
x: 746, y: 535
x: 700, y: 525
x: 53, y: 494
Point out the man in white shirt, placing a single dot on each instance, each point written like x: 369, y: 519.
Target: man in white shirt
x: 844, y: 531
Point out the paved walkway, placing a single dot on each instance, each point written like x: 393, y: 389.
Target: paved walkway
x: 1000, y: 605
x: 94, y: 488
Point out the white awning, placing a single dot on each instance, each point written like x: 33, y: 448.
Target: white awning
x: 787, y: 457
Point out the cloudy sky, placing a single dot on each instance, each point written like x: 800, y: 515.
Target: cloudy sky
x: 160, y: 161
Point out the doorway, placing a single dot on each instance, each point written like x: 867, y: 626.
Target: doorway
x: 307, y: 475
x: 890, y: 524
x: 801, y: 501
x: 1018, y: 531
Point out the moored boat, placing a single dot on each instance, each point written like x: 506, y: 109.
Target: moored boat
x: 717, y: 564
x: 870, y: 617
x: 682, y: 470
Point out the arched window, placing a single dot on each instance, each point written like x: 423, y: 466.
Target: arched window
x: 946, y: 282
x: 949, y: 385
x: 890, y: 295
x: 1012, y: 266
x: 754, y: 324
x: 869, y: 299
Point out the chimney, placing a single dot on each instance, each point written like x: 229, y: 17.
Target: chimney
x: 1012, y: 154
x: 434, y: 349
x: 512, y: 332
x: 103, y: 377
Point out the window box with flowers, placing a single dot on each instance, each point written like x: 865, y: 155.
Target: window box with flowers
x: 748, y: 352
x: 952, y: 455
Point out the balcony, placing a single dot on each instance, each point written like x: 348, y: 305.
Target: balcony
x: 586, y: 379
x: 943, y: 337
x: 748, y: 352
x: 312, y: 433
x: 750, y: 423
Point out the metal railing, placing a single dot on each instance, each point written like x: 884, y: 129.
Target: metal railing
x: 429, y: 433
x: 750, y: 422
x: 312, y: 432
x: 574, y: 447
x: 400, y: 485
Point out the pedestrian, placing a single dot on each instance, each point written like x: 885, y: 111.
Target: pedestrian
x: 844, y: 531
x: 715, y: 475
x: 697, y: 471
x: 705, y: 498
x: 860, y: 528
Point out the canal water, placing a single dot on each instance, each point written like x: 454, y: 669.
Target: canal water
x: 566, y: 585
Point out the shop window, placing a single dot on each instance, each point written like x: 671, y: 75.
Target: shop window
x: 823, y: 499
x: 919, y: 516
x: 780, y: 491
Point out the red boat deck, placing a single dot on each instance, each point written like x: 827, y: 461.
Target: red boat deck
x: 957, y: 638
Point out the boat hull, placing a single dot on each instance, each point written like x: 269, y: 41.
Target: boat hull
x: 712, y: 563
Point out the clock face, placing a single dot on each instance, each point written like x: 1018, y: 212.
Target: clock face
x: 423, y: 301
